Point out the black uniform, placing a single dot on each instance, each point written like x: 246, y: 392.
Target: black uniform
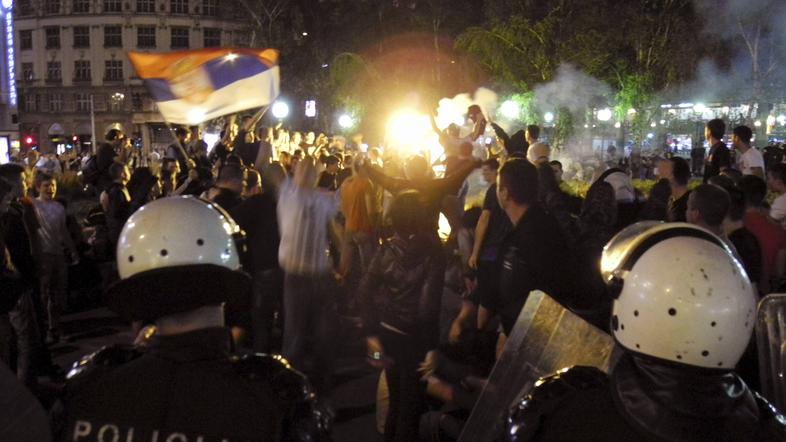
x: 644, y: 400
x: 189, y: 387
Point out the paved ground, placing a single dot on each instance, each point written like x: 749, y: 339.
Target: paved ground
x: 354, y: 397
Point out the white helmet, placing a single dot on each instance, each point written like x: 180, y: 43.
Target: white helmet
x: 680, y: 294
x: 176, y: 254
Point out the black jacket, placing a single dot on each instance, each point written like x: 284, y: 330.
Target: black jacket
x: 403, y: 287
x: 256, y: 215
x: 189, y: 384
x: 644, y: 400
x: 18, y: 271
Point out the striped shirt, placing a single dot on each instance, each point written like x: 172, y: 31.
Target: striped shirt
x: 304, y: 217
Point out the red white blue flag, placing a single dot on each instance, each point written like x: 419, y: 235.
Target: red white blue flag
x: 190, y: 87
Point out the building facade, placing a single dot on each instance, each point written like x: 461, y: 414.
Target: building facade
x: 71, y: 62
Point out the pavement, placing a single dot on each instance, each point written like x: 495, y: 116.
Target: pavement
x: 356, y: 383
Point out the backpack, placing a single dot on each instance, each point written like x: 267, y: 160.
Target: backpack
x: 90, y: 171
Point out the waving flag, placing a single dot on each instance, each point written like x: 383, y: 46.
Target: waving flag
x: 190, y: 87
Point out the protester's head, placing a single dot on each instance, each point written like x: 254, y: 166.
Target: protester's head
x: 533, y: 133
x: 416, y: 167
x: 734, y: 174
x: 517, y: 184
x: 556, y: 166
x: 157, y: 256
x: 474, y: 113
x: 359, y: 167
x: 408, y: 213
x: 46, y: 186
x: 736, y: 197
x: 114, y: 136
x: 715, y: 129
x: 231, y: 177
x: 599, y: 209
x: 119, y: 173
x: 547, y: 183
x: 182, y: 134
x: 453, y: 130
x: 284, y: 158
x: 742, y: 137
x: 708, y: 206
x: 539, y: 153
x: 489, y: 169
x: 331, y: 164
x: 169, y: 166
x: 374, y: 155
x: 776, y: 178
x: 755, y: 190
x: 680, y: 171
x: 253, y: 183
x: 14, y: 176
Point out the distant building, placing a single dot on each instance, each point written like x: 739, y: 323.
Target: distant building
x: 71, y: 58
x: 9, y: 129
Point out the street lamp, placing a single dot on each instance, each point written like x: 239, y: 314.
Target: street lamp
x: 509, y: 109
x: 280, y: 110
x: 548, y: 117
x: 345, y: 121
x: 604, y: 114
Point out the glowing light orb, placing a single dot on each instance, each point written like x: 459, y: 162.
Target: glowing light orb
x: 510, y: 110
x: 604, y: 114
x: 345, y: 121
x: 548, y: 117
x: 280, y: 110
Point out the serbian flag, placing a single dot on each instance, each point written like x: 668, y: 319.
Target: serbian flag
x: 190, y: 87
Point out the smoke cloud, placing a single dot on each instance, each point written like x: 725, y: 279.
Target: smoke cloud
x: 572, y: 89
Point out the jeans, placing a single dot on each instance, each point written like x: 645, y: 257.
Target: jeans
x: 309, y: 325
x: 407, y: 392
x: 54, y: 288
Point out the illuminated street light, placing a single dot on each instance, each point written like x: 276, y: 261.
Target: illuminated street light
x: 781, y: 120
x: 618, y: 125
x: 662, y: 122
x: 757, y: 123
x: 604, y: 114
x: 653, y: 124
x: 280, y: 110
x: 771, y: 120
x: 509, y: 109
x: 650, y: 135
x: 345, y: 121
x: 699, y: 108
x: 548, y: 117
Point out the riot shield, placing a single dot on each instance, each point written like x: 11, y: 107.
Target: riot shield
x: 546, y: 338
x: 771, y: 345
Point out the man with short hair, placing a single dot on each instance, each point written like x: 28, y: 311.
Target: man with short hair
x: 532, y: 134
x: 707, y: 207
x: 328, y: 179
x: 750, y: 162
x: 776, y: 180
x: 539, y: 153
x: 115, y: 150
x: 176, y: 151
x: 719, y: 158
x: 556, y: 166
x: 53, y: 239
x: 229, y: 187
x: 533, y: 255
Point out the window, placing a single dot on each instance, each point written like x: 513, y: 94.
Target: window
x: 114, y: 70
x: 81, y: 36
x: 26, y: 39
x: 52, y: 6
x: 52, y: 37
x: 31, y: 103
x: 113, y: 6
x: 113, y: 37
x: 53, y: 71
x: 209, y: 8
x: 179, y: 38
x: 81, y: 6
x: 178, y: 6
x: 146, y: 36
x: 136, y: 101
x: 116, y: 102
x: 55, y: 102
x: 82, y: 70
x: 212, y: 37
x: 24, y: 7
x: 145, y: 5
x: 82, y: 102
x: 27, y: 72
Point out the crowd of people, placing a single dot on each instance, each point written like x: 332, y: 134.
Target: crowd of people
x: 223, y: 257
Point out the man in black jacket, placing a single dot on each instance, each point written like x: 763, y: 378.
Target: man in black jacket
x: 719, y: 158
x: 186, y: 383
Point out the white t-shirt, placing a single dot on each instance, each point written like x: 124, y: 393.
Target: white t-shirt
x: 778, y: 209
x: 750, y: 159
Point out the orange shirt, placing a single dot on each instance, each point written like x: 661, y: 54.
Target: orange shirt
x: 354, y: 194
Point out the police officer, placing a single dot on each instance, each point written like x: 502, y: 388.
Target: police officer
x: 178, y: 262
x: 683, y: 314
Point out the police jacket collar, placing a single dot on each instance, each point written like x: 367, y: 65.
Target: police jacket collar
x: 678, y: 402
x: 204, y: 344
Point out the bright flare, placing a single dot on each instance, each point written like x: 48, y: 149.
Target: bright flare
x: 345, y: 121
x: 510, y: 110
x: 548, y: 117
x: 604, y: 114
x: 280, y: 110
